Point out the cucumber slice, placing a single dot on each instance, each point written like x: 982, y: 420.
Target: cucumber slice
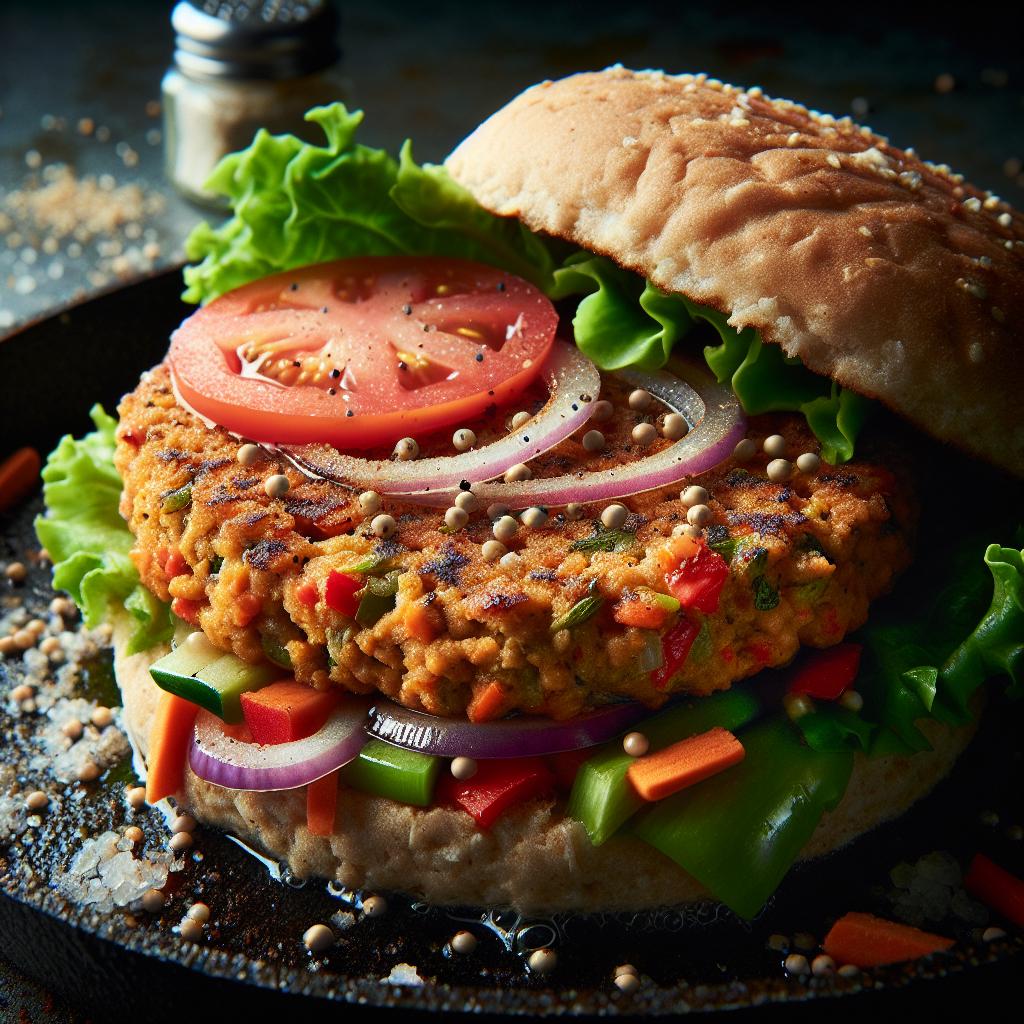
x: 203, y: 674
x: 405, y: 776
x: 602, y: 797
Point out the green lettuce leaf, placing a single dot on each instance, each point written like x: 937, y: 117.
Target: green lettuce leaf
x: 295, y: 203
x: 88, y: 540
x: 626, y: 321
x: 927, y: 652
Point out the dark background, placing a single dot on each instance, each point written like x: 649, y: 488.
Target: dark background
x: 947, y: 81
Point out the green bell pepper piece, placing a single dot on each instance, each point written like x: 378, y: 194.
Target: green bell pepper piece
x: 377, y: 598
x: 275, y: 652
x: 175, y: 501
x: 406, y: 776
x: 739, y: 832
x: 601, y: 796
x: 582, y: 610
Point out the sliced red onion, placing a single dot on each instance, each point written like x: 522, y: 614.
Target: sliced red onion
x: 234, y: 764
x: 716, y: 424
x: 525, y: 736
x: 574, y: 385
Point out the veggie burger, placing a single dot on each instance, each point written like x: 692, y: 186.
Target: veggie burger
x: 507, y: 532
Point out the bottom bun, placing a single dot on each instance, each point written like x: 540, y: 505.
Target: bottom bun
x: 534, y: 858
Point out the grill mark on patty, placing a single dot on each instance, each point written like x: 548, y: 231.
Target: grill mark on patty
x: 502, y: 602
x: 448, y: 566
x: 209, y: 465
x: 763, y: 522
x: 260, y: 554
x: 312, y: 508
x: 844, y: 478
x: 547, y: 575
x: 172, y: 455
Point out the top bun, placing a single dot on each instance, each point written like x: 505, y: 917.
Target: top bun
x: 893, y: 276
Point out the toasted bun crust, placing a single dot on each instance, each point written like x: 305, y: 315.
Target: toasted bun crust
x: 534, y: 859
x: 893, y: 276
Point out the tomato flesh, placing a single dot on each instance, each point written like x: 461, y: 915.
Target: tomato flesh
x: 358, y: 353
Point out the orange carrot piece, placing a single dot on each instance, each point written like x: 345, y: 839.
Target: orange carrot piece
x: 869, y: 941
x: 487, y: 703
x: 169, y: 738
x: 421, y: 622
x: 641, y: 612
x: 19, y: 474
x: 321, y: 804
x: 656, y: 776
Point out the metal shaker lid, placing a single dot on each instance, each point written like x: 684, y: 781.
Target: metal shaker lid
x: 254, y: 38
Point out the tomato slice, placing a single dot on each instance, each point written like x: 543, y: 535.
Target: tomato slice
x: 361, y: 352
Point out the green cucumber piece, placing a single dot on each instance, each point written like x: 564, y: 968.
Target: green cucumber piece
x: 406, y: 776
x: 602, y: 797
x: 739, y: 832
x: 201, y: 673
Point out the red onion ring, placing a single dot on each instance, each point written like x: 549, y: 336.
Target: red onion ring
x: 574, y: 384
x: 217, y: 758
x: 525, y: 736
x: 716, y: 424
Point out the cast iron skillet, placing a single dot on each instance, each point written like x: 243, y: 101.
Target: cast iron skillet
x: 52, y: 372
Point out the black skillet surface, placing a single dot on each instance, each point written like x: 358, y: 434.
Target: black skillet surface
x: 52, y: 372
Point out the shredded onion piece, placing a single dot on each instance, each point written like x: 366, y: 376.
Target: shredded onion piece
x: 716, y: 423
x: 224, y: 761
x: 522, y: 736
x: 574, y: 384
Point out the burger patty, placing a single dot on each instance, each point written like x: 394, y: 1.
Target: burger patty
x: 805, y: 559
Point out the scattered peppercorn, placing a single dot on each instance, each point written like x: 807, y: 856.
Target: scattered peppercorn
x: 614, y: 516
x: 276, y: 486
x: 636, y: 744
x: 464, y: 439
x: 463, y: 768
x: 407, y: 449
x: 463, y: 943
x: 644, y: 434
x: 248, y: 454
x: 674, y: 426
x: 639, y: 400
x: 383, y: 525
x: 369, y: 502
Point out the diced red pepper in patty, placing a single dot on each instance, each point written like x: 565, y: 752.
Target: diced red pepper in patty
x: 186, y: 609
x: 340, y: 593
x: 698, y: 581
x: 675, y: 648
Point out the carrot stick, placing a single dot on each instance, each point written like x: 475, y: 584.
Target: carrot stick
x: 321, y: 804
x: 996, y: 887
x: 869, y: 941
x: 19, y: 474
x: 656, y: 776
x: 487, y: 703
x: 169, y: 738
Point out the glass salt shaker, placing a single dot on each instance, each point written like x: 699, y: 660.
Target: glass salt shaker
x: 238, y: 67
